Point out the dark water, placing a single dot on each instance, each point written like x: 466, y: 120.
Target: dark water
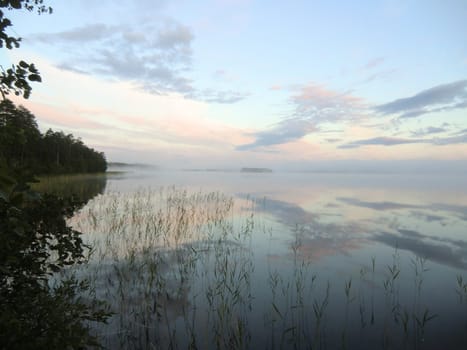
x: 333, y: 261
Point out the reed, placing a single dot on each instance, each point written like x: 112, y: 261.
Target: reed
x: 179, y: 271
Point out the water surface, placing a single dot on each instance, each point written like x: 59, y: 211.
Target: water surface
x: 300, y: 260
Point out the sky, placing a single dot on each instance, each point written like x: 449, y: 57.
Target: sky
x: 232, y: 83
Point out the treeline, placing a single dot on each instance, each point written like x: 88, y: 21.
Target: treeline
x: 23, y: 146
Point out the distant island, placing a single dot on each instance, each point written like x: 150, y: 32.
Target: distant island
x: 131, y: 165
x: 256, y: 170
x: 209, y: 170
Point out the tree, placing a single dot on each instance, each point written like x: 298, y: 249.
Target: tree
x: 19, y: 135
x: 18, y: 77
x: 25, y: 148
x: 35, y: 240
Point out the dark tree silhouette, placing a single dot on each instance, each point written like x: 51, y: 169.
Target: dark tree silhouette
x: 24, y: 147
x: 35, y: 240
x: 18, y: 77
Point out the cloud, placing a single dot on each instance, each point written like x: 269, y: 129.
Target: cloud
x: 175, y: 36
x: 86, y: 33
x: 152, y: 55
x: 218, y: 96
x: 224, y: 75
x: 220, y: 73
x: 324, y: 105
x: 452, y: 140
x: 121, y: 112
x: 428, y: 131
x: 378, y: 75
x: 374, y: 63
x: 283, y: 132
x: 381, y: 141
x: 313, y: 105
x: 436, y: 99
x: 155, y: 56
x: 395, y: 141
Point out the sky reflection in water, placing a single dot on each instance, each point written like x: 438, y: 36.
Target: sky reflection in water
x: 338, y: 223
x: 424, y: 214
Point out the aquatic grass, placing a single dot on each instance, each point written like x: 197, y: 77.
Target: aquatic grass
x: 361, y: 298
x: 80, y: 186
x: 348, y: 299
x: 319, y: 310
x: 461, y: 289
x: 178, y: 270
x: 141, y: 254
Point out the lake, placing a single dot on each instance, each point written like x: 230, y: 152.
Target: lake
x: 225, y: 259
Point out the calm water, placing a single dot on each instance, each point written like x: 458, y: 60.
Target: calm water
x: 329, y: 261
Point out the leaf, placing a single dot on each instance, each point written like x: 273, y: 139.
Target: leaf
x: 6, y: 185
x: 3, y: 195
x: 54, y: 267
x: 35, y: 77
x: 6, y: 180
x: 290, y: 329
x: 32, y: 68
x: 19, y: 230
x: 17, y: 199
x: 16, y: 4
x: 23, y: 64
x: 277, y: 310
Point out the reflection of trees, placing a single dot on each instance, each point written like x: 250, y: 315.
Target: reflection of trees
x: 81, y: 187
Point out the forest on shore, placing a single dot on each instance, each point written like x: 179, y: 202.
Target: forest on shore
x: 23, y: 146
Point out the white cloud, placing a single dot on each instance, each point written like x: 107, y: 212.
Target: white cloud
x: 154, y: 57
x: 313, y: 105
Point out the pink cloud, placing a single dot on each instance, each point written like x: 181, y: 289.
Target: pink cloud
x: 321, y: 97
x: 319, y: 104
x: 57, y: 116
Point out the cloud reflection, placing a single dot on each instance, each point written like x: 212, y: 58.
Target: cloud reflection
x: 314, y: 239
x: 375, y: 205
x: 459, y: 211
x: 444, y: 251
